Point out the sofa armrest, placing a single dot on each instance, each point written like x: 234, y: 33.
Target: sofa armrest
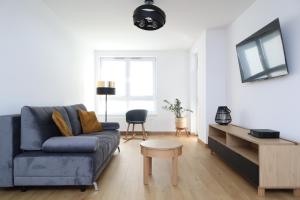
x: 10, y: 134
x: 110, y: 125
x: 75, y: 144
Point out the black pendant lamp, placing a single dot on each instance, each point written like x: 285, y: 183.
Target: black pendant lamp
x: 149, y: 17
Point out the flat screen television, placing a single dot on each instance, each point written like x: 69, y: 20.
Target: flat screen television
x: 262, y: 55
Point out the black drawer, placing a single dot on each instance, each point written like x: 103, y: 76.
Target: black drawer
x: 243, y: 166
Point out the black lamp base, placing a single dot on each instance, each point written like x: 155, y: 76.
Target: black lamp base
x: 106, y: 91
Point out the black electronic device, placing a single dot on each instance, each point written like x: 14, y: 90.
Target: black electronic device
x: 264, y: 133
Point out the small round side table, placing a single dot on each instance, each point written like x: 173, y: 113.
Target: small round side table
x: 161, y: 149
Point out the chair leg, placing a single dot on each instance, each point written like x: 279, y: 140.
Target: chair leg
x: 133, y: 131
x: 144, y: 132
x: 126, y: 135
x: 24, y: 189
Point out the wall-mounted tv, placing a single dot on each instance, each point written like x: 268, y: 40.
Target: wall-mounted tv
x: 262, y: 55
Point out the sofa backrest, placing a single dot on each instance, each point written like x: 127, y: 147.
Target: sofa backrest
x: 74, y: 117
x: 37, y: 126
x: 9, y: 147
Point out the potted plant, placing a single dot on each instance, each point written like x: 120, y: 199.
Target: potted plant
x: 178, y: 110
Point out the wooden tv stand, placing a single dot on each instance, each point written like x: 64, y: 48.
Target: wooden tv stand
x: 267, y: 163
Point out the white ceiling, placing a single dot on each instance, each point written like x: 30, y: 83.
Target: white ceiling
x: 108, y: 24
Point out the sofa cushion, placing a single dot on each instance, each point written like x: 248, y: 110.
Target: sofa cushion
x: 37, y: 126
x: 108, y: 141
x: 74, y: 117
x: 76, y: 144
x: 61, y: 124
x: 89, y: 122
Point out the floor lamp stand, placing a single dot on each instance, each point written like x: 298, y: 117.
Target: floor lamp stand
x: 106, y: 108
x: 106, y: 91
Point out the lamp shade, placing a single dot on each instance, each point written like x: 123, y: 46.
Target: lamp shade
x: 100, y: 84
x: 111, y: 84
x: 106, y: 91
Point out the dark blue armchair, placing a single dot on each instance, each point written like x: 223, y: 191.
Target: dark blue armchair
x: 134, y: 117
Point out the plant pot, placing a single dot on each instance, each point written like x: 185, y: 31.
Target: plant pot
x: 180, y: 122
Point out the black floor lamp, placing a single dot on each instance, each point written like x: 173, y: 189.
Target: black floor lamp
x: 102, y: 90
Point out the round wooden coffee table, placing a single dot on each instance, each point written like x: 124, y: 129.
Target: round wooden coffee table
x: 161, y: 149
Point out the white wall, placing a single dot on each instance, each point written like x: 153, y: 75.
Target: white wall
x: 38, y: 61
x: 199, y: 49
x: 210, y: 48
x: 272, y: 104
x: 193, y: 87
x: 215, y: 71
x: 172, y: 82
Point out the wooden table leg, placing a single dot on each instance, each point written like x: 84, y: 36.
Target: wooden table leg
x: 150, y: 166
x: 174, y: 170
x: 261, y: 192
x: 146, y: 170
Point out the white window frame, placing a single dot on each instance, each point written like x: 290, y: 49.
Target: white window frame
x: 127, y: 97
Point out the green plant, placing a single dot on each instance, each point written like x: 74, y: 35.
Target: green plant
x: 176, y: 108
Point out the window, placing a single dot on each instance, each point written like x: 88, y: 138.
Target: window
x: 135, y: 84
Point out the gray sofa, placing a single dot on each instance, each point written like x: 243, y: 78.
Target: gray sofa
x: 33, y: 152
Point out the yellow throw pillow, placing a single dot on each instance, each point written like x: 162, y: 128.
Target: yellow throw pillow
x: 89, y: 122
x: 61, y: 124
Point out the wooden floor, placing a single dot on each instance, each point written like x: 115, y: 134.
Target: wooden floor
x: 201, y: 176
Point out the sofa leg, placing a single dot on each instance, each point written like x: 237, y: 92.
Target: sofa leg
x: 23, y: 189
x: 119, y: 149
x: 96, y: 186
x: 82, y: 188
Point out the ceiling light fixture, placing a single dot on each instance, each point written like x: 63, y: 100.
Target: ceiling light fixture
x: 149, y: 17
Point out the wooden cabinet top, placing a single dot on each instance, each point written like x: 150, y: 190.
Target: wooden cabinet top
x: 243, y: 133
